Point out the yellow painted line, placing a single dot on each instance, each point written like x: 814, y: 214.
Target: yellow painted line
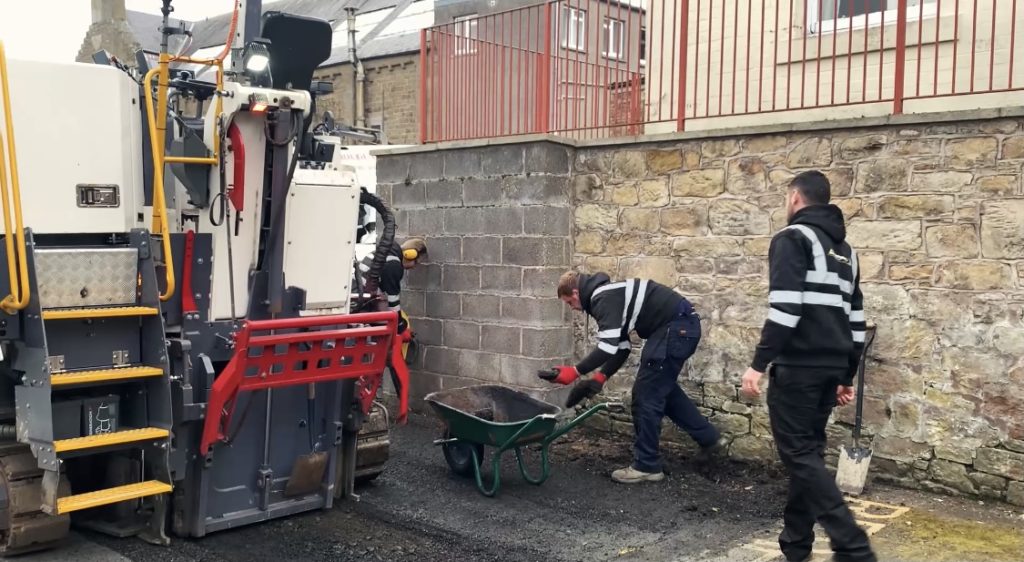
x: 107, y: 439
x: 871, y: 516
x: 111, y: 495
x: 111, y: 312
x: 104, y: 375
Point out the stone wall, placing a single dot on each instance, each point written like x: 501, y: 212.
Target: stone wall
x: 937, y: 214
x: 497, y: 223
x: 936, y: 211
x: 392, y: 90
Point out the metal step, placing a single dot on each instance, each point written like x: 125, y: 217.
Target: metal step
x: 101, y: 440
x: 106, y: 312
x: 111, y: 495
x: 104, y: 375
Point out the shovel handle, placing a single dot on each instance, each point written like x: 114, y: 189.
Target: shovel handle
x: 860, y: 386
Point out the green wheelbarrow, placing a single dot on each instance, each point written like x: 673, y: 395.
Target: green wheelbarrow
x: 502, y: 418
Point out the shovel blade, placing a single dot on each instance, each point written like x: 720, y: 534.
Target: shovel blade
x: 307, y: 474
x: 852, y: 473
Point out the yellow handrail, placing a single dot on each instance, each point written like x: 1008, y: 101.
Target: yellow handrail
x: 157, y: 130
x: 20, y: 291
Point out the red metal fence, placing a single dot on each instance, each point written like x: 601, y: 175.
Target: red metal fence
x: 603, y: 68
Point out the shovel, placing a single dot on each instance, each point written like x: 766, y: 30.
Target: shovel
x: 852, y: 472
x: 308, y: 470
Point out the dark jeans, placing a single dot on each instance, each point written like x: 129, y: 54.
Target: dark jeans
x: 799, y: 403
x: 656, y: 392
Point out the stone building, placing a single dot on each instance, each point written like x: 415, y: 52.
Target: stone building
x: 390, y: 57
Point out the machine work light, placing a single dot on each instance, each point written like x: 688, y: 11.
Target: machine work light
x: 256, y: 56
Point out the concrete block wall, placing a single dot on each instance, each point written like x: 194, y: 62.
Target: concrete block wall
x: 498, y: 225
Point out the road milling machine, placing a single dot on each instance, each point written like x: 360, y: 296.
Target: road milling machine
x: 179, y: 349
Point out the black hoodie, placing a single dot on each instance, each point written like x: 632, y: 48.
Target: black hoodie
x: 619, y: 308
x: 390, y: 276
x: 816, y: 315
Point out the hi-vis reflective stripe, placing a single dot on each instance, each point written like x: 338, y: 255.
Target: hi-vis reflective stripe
x: 816, y: 248
x: 609, y: 334
x: 626, y: 298
x: 820, y: 274
x: 392, y: 299
x: 858, y: 336
x: 779, y: 317
x: 786, y: 297
x: 640, y: 296
x: 626, y: 344
x: 812, y: 297
x: 607, y: 348
x: 394, y: 258
x: 857, y: 316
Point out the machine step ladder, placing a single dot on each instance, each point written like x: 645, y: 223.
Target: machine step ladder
x: 102, y: 398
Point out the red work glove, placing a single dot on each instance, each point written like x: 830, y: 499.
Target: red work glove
x: 586, y: 388
x: 565, y: 374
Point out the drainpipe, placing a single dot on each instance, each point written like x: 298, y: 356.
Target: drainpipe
x: 360, y: 95
x: 357, y: 76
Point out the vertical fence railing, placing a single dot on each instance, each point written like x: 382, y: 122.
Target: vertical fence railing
x: 604, y: 68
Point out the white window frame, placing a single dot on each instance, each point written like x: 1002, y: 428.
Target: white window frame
x: 611, y: 38
x: 642, y: 40
x: 872, y: 19
x: 465, y: 34
x: 574, y: 19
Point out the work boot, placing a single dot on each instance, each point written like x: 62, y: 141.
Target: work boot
x: 630, y: 475
x: 709, y: 458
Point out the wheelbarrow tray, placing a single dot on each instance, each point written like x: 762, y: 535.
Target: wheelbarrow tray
x: 492, y: 415
x: 502, y: 418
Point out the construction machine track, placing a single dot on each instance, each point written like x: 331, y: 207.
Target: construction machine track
x: 23, y: 525
x: 373, y: 444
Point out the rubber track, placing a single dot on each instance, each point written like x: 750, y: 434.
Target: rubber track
x: 23, y: 526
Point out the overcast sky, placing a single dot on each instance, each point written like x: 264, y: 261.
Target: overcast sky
x: 53, y: 30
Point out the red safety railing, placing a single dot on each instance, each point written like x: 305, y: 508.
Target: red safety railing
x: 287, y: 352
x: 603, y: 68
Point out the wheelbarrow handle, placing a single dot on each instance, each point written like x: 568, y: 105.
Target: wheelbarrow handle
x: 525, y: 430
x: 571, y: 424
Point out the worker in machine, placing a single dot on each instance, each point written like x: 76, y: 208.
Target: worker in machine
x: 812, y: 339
x: 389, y: 289
x: 671, y: 328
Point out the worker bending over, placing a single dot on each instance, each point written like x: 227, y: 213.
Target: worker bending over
x: 671, y: 328
x: 389, y: 289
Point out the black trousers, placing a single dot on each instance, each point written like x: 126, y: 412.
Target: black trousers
x: 656, y: 392
x: 800, y: 401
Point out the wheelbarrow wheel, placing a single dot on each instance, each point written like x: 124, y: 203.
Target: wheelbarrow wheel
x: 459, y: 456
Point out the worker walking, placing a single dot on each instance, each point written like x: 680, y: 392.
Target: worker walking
x: 671, y: 328
x: 812, y: 339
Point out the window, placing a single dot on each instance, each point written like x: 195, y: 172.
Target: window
x: 466, y: 34
x: 837, y: 15
x: 613, y: 38
x: 643, y: 46
x: 574, y: 29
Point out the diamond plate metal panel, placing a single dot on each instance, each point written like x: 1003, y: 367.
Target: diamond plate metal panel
x: 87, y: 276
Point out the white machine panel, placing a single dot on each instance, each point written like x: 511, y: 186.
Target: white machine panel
x: 320, y: 231
x: 78, y: 150
x: 244, y: 245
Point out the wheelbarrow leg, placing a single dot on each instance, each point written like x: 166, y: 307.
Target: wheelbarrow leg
x: 495, y: 470
x: 545, y: 470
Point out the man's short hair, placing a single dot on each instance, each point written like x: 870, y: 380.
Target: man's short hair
x: 813, y: 186
x: 569, y: 282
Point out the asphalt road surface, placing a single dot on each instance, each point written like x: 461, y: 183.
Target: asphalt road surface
x: 418, y: 511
